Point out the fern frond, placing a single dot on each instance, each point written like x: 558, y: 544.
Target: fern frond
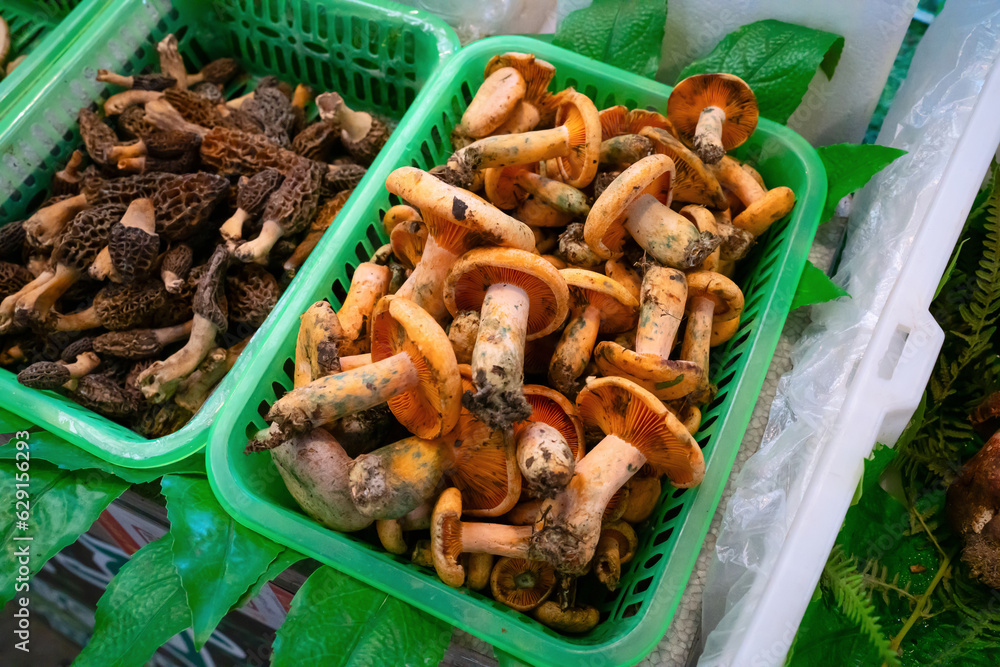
x: 875, y: 577
x: 843, y: 580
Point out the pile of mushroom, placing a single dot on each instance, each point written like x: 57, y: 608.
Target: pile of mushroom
x: 136, y: 286
x: 510, y: 378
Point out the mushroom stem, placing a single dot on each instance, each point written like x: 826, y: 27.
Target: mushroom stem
x: 392, y: 481
x: 232, y: 229
x: 118, y: 102
x: 496, y: 538
x: 607, y: 562
x: 37, y: 303
x: 103, y: 268
x: 698, y: 335
x: 575, y: 349
x: 498, y: 358
x: 9, y: 303
x: 621, y: 273
x: 336, y: 396
x: 554, y: 193
x: 78, y: 321
x: 462, y: 333
x: 163, y: 115
x: 124, y: 152
x: 105, y: 76
x: 545, y: 459
x: 257, y: 251
x: 669, y: 237
x: 573, y: 518
x: 368, y: 285
x: 708, y: 135
x: 425, y: 286
x: 508, y: 149
x: 159, y: 382
x: 47, y: 223
x: 664, y: 294
x: 523, y: 118
x: 353, y: 361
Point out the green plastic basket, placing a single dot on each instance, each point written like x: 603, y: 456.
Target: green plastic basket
x: 42, y: 29
x: 378, y: 57
x: 636, y: 616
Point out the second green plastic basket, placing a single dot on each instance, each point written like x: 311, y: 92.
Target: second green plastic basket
x: 377, y: 56
x: 635, y: 616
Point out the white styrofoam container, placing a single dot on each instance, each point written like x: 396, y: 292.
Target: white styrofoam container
x: 884, y: 392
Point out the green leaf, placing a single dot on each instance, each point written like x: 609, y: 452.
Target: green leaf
x: 337, y: 620
x: 777, y: 60
x: 65, y: 455
x: 624, y: 33
x: 815, y: 287
x: 62, y: 505
x: 217, y: 559
x: 285, y: 560
x: 142, y: 608
x: 849, y: 167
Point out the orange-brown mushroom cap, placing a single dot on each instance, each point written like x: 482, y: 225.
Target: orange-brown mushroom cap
x: 619, y: 309
x: 446, y: 537
x: 667, y: 379
x: 720, y: 290
x: 536, y: 73
x: 554, y: 409
x: 725, y: 91
x: 693, y: 182
x: 456, y: 218
x: 522, y: 584
x: 619, y: 120
x: 614, y: 405
x: 432, y: 408
x: 502, y: 188
x: 605, y: 227
x: 577, y: 112
x: 478, y: 269
x: 397, y: 214
x: 407, y: 240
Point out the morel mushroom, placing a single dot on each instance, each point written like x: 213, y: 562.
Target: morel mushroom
x: 133, y: 243
x: 67, y: 180
x: 13, y: 277
x: 250, y: 201
x: 160, y: 381
x: 55, y: 374
x: 252, y: 294
x: 154, y: 81
x: 361, y: 134
x: 174, y: 267
x: 325, y: 216
x: 116, y: 307
x: 140, y: 343
x: 195, y: 389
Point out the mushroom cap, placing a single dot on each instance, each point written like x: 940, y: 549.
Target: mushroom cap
x: 644, y: 493
x: 457, y: 219
x: 478, y: 568
x: 718, y: 288
x: 133, y: 251
x: 619, y: 309
x: 221, y: 70
x: 44, y: 375
x: 536, y: 73
x: 446, y: 537
x: 390, y: 534
x: 577, y: 112
x: 502, y: 188
x: 397, y: 214
x: 726, y: 91
x: 617, y: 406
x: 485, y: 462
x: 574, y: 620
x: 619, y: 120
x: 407, y: 240
x: 537, y: 213
x: 254, y: 191
x: 760, y: 214
x: 430, y: 409
x: 723, y: 330
x: 251, y: 294
x: 475, y: 271
x: 605, y: 227
x: 693, y: 182
x: 624, y: 534
x: 493, y: 102
x: 554, y: 409
x: 76, y: 348
x: 667, y: 379
x: 522, y: 584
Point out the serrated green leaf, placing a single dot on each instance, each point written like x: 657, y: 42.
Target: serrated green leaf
x: 849, y: 167
x: 217, y: 559
x: 62, y: 505
x: 777, y: 60
x: 815, y: 287
x: 142, y: 608
x: 337, y: 620
x: 284, y: 560
x: 67, y: 456
x: 624, y: 33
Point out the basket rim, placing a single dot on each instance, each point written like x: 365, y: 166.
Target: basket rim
x: 664, y: 592
x: 93, y: 432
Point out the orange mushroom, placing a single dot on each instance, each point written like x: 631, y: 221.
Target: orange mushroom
x: 711, y: 297
x: 522, y: 584
x: 520, y: 297
x: 616, y: 547
x: 537, y: 103
x: 715, y: 112
x: 763, y: 207
x: 369, y: 283
x: 693, y: 181
x: 639, y: 430
x: 549, y: 443
x: 664, y: 293
x: 637, y: 204
x: 600, y: 306
x: 456, y: 221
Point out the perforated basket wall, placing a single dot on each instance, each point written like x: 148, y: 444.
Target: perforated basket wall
x: 635, y: 617
x: 378, y: 57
